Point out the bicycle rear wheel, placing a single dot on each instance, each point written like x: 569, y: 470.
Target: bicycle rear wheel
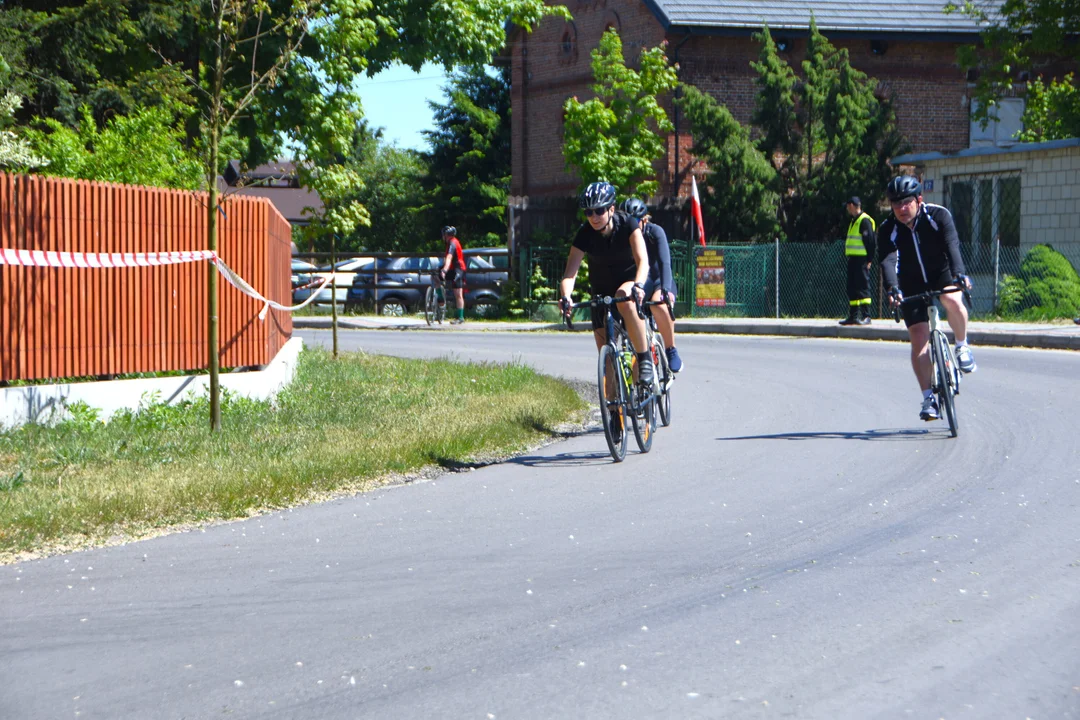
x: 612, y: 404
x: 664, y: 378
x: 429, y: 305
x: 945, y: 388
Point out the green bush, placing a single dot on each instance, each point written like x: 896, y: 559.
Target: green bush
x: 143, y: 148
x: 1046, y: 287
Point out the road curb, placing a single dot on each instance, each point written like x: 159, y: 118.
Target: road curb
x: 1066, y: 339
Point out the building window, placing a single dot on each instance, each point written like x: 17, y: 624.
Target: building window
x: 986, y: 212
x: 567, y: 43
x: 1002, y: 129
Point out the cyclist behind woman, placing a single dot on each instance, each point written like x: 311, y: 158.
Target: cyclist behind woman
x: 618, y: 266
x: 919, y: 251
x: 661, y: 283
x: 453, y: 271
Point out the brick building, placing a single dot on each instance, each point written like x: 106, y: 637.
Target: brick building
x: 910, y: 48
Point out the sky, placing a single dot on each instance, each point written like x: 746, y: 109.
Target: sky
x: 396, y: 100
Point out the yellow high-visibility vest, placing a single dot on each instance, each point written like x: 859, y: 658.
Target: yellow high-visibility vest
x: 854, y: 246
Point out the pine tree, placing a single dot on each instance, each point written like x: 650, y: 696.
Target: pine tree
x: 738, y: 192
x: 828, y: 136
x: 469, y: 162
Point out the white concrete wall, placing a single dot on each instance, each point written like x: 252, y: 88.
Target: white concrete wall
x: 1050, y: 192
x: 47, y: 403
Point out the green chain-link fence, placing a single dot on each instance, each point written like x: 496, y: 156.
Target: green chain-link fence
x: 808, y: 280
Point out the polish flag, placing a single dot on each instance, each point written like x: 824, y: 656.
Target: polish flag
x: 695, y: 209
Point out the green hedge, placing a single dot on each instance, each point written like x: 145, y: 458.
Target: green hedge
x: 1046, y: 287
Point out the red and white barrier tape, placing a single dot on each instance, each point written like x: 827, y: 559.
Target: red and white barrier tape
x: 48, y: 258
x: 51, y: 259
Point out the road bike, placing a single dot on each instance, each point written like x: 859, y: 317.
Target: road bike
x: 620, y: 395
x: 435, y: 300
x: 944, y: 369
x: 664, y: 377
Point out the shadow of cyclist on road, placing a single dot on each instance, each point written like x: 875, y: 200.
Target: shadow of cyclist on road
x: 894, y: 435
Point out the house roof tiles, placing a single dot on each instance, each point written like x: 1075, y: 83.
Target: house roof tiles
x: 913, y: 17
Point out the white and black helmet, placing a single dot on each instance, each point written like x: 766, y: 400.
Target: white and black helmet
x: 597, y: 195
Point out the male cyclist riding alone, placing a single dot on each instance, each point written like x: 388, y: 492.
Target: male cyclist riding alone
x: 661, y: 284
x: 919, y: 251
x: 453, y: 271
x: 618, y: 267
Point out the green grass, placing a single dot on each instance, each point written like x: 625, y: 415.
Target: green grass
x: 342, y: 426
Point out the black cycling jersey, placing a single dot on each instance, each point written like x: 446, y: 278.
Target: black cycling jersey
x: 611, y: 261
x: 656, y: 244
x: 925, y: 257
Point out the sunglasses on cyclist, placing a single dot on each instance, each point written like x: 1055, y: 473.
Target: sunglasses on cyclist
x: 597, y: 212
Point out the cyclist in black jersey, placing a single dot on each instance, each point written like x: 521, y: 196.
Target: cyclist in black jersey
x: 618, y: 267
x: 919, y: 251
x: 661, y: 283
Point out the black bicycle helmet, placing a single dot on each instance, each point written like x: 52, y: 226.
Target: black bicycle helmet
x: 903, y: 186
x: 449, y: 230
x: 635, y: 207
x: 597, y: 195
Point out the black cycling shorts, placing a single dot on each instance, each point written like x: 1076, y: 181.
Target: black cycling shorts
x: 598, y: 312
x: 915, y: 313
x: 455, y: 279
x: 651, y: 286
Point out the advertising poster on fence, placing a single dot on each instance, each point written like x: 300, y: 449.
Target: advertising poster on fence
x: 710, y: 278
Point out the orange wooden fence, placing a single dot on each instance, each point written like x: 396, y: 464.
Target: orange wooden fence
x: 72, y: 322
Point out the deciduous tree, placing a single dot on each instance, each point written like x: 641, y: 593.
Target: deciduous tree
x: 1037, y: 37
x: 615, y: 135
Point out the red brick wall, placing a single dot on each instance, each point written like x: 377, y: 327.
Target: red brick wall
x: 923, y: 77
x: 544, y: 74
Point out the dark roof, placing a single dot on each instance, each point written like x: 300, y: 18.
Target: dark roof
x: 290, y: 202
x: 914, y: 17
x: 277, y: 173
x: 916, y: 158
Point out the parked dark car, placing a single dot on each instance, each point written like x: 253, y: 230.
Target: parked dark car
x: 409, y: 278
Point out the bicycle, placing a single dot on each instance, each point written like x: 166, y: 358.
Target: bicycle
x: 620, y: 395
x: 944, y: 370
x: 435, y: 311
x: 664, y: 376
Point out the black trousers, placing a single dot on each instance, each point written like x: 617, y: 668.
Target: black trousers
x: 858, y: 281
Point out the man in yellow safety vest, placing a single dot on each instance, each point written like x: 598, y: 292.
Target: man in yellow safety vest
x: 859, y: 249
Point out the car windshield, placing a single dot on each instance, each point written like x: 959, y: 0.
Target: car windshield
x: 477, y: 263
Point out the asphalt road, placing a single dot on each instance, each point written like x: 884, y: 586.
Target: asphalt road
x: 797, y: 544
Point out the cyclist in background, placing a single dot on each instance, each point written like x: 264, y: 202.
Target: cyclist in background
x: 453, y: 271
x: 618, y: 266
x: 661, y: 283
x: 919, y: 251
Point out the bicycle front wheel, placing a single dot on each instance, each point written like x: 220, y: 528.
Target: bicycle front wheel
x: 612, y: 402
x: 644, y: 416
x: 429, y: 305
x: 642, y: 408
x: 945, y: 364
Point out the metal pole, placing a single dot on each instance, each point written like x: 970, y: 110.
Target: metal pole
x: 333, y: 288
x: 777, y: 278
x: 997, y: 266
x: 510, y: 240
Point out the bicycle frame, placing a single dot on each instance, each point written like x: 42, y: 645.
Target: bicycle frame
x: 944, y: 369
x: 631, y: 399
